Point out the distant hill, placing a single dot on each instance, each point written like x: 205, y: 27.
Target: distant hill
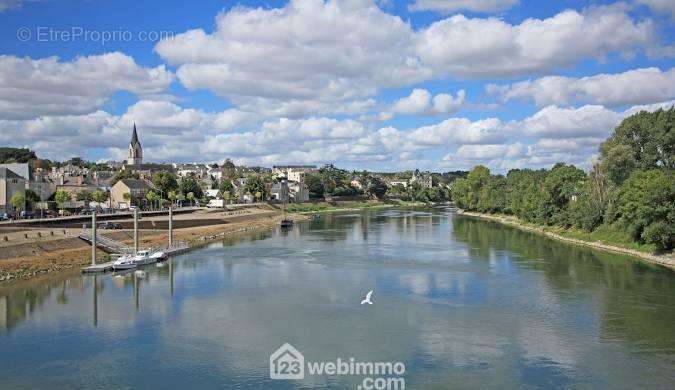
x: 16, y: 155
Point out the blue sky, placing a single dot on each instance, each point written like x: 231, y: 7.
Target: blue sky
x: 386, y: 85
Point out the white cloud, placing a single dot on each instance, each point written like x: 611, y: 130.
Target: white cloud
x: 462, y: 131
x: 30, y: 88
x: 420, y: 102
x: 637, y: 86
x: 448, y: 6
x: 489, y: 152
x: 660, y: 6
x: 307, y: 50
x: 328, y: 51
x: 476, y: 47
x: 586, y: 121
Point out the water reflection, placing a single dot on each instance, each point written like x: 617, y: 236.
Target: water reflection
x: 463, y: 302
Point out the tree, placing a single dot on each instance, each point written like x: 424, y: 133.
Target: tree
x: 151, y: 197
x: 190, y: 184
x: 643, y: 141
x: 255, y: 184
x: 83, y: 195
x: 164, y: 181
x: 16, y: 155
x: 172, y: 196
x: 31, y: 198
x: 646, y: 207
x: 123, y: 174
x: 191, y: 197
x: 226, y: 188
x: 376, y: 187
x: 127, y: 197
x: 99, y: 196
x: 18, y: 201
x: 62, y: 196
x: 314, y: 185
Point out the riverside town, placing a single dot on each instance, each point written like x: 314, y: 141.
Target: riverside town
x: 337, y: 194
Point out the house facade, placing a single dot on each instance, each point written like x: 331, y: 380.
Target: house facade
x: 11, y: 183
x: 136, y: 188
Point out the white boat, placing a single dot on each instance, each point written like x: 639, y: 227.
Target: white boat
x: 143, y: 257
x: 124, y: 262
x: 158, y: 256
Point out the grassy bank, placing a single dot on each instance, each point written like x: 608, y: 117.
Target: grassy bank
x: 347, y: 205
x: 603, y: 238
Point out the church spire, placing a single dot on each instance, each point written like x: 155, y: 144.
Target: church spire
x: 134, y: 136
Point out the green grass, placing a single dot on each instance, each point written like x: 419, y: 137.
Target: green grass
x: 605, y: 234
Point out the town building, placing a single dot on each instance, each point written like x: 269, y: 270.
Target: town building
x: 35, y: 180
x: 424, y: 179
x: 11, y: 184
x: 293, y: 172
x: 299, y: 192
x: 136, y: 188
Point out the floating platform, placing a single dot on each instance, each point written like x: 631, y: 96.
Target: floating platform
x: 107, y: 266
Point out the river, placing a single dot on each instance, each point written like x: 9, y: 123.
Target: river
x: 460, y: 302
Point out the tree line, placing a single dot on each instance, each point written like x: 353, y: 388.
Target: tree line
x: 630, y: 189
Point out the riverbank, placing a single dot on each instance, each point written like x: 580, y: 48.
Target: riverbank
x: 322, y: 207
x: 664, y: 260
x: 72, y: 253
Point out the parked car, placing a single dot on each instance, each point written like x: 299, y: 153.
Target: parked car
x: 26, y: 214
x: 49, y: 214
x: 4, y: 217
x: 109, y: 225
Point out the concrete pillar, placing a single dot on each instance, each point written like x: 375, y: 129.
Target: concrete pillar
x: 170, y: 226
x: 93, y: 238
x: 135, y: 231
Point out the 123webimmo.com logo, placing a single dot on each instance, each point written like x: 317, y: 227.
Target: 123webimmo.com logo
x: 288, y: 363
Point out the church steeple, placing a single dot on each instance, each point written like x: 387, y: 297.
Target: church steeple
x: 135, y: 149
x: 134, y: 136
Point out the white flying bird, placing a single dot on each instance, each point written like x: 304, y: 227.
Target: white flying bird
x: 367, y: 300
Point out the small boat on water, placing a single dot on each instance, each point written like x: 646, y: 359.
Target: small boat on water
x: 124, y: 262
x: 286, y: 223
x: 143, y: 257
x: 159, y: 256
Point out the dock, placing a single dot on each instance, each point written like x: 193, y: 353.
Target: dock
x: 182, y: 247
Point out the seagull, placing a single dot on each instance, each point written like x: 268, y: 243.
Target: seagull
x: 367, y: 300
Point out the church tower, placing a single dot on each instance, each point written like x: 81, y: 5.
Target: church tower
x: 135, y: 150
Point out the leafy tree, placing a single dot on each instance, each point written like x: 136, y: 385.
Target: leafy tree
x: 164, y: 181
x: 376, y: 187
x: 644, y: 141
x: 255, y: 184
x: 190, y: 184
x: 123, y: 174
x: 152, y: 197
x: 62, y: 196
x: 99, y: 196
x: 314, y: 185
x: 83, y: 195
x: 32, y: 196
x: 191, y: 197
x: 172, y: 196
x: 16, y: 155
x: 18, y: 201
x: 226, y: 187
x: 646, y: 207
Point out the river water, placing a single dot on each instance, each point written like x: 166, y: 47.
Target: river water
x: 460, y: 302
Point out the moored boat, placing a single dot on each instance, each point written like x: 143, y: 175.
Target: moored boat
x: 124, y: 262
x: 143, y: 257
x: 159, y: 256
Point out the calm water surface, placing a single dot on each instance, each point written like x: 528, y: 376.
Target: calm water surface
x: 463, y: 303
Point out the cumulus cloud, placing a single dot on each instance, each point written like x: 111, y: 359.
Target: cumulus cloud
x: 328, y: 51
x: 306, y: 50
x: 421, y: 102
x: 637, y: 86
x: 30, y: 88
x: 448, y: 6
x: 489, y: 152
x: 660, y: 6
x: 586, y: 121
x: 477, y: 47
